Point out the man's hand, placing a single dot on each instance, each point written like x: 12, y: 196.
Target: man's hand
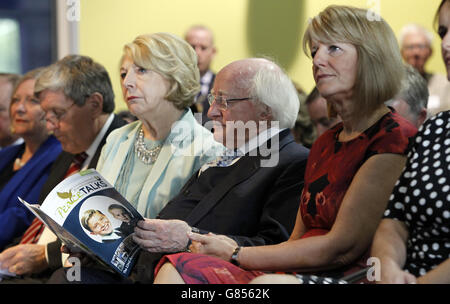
x: 85, y: 260
x: 162, y: 235
x: 24, y: 259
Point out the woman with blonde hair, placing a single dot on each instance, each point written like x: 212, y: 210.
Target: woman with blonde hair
x: 24, y: 168
x: 351, y: 168
x: 154, y: 156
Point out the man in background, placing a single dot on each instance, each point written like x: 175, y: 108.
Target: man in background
x: 202, y: 41
x: 411, y: 101
x: 415, y: 47
x: 318, y: 112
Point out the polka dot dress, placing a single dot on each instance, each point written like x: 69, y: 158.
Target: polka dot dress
x: 421, y: 197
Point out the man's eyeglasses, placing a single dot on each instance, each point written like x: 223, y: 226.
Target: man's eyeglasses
x: 222, y: 102
x: 55, y: 115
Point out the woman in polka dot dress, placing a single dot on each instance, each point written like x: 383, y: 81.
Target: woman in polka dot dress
x: 413, y: 239
x: 414, y: 236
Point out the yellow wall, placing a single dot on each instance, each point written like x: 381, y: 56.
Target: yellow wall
x: 242, y: 28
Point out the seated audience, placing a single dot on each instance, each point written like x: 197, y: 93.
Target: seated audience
x: 243, y: 196
x: 318, y: 112
x: 24, y: 168
x: 412, y: 241
x: 351, y: 169
x: 154, y: 156
x: 7, y: 83
x: 77, y: 97
x: 411, y: 101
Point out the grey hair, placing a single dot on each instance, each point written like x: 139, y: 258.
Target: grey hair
x: 77, y: 77
x: 414, y: 91
x: 413, y: 28
x: 12, y: 78
x: 272, y: 87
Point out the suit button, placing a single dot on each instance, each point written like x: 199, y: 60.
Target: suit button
x: 187, y: 192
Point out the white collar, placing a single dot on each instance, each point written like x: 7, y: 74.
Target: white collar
x: 93, y: 147
x: 206, y: 78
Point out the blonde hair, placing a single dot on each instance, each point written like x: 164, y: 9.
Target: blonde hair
x: 171, y: 57
x: 379, y: 67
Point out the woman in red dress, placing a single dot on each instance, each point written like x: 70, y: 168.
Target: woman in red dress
x: 351, y: 170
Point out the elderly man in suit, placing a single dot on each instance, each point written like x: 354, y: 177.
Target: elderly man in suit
x: 78, y: 99
x: 252, y: 193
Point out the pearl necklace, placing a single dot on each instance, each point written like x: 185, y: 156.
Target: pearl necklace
x: 147, y: 156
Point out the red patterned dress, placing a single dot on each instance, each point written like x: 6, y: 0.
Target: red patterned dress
x: 331, y: 167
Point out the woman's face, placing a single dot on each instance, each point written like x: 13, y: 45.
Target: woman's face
x: 27, y: 116
x: 143, y: 90
x: 444, y: 25
x: 334, y: 68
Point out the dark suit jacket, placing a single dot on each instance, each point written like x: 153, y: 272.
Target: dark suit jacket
x: 63, y: 162
x: 254, y: 205
x: 57, y: 173
x: 203, y: 100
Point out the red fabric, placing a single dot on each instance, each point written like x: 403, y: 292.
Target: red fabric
x: 330, y: 169
x: 33, y: 233
x: 332, y: 165
x: 203, y: 269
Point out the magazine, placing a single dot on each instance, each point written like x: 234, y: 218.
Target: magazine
x: 88, y: 214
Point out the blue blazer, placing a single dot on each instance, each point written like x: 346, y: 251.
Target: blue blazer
x: 26, y: 183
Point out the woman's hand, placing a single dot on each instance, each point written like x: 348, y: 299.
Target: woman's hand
x: 395, y: 275
x: 219, y: 246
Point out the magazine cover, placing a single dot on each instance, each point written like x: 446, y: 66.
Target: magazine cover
x: 88, y: 214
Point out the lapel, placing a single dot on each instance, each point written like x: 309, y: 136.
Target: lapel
x: 244, y: 168
x: 57, y: 173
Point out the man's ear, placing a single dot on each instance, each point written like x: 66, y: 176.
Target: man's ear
x: 266, y: 113
x: 95, y: 103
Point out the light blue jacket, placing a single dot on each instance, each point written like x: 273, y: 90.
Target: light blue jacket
x: 187, y: 147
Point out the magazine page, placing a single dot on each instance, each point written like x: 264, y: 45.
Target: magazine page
x: 4, y: 273
x: 97, y: 216
x: 67, y: 238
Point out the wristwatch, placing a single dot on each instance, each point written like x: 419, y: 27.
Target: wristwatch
x: 234, y: 256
